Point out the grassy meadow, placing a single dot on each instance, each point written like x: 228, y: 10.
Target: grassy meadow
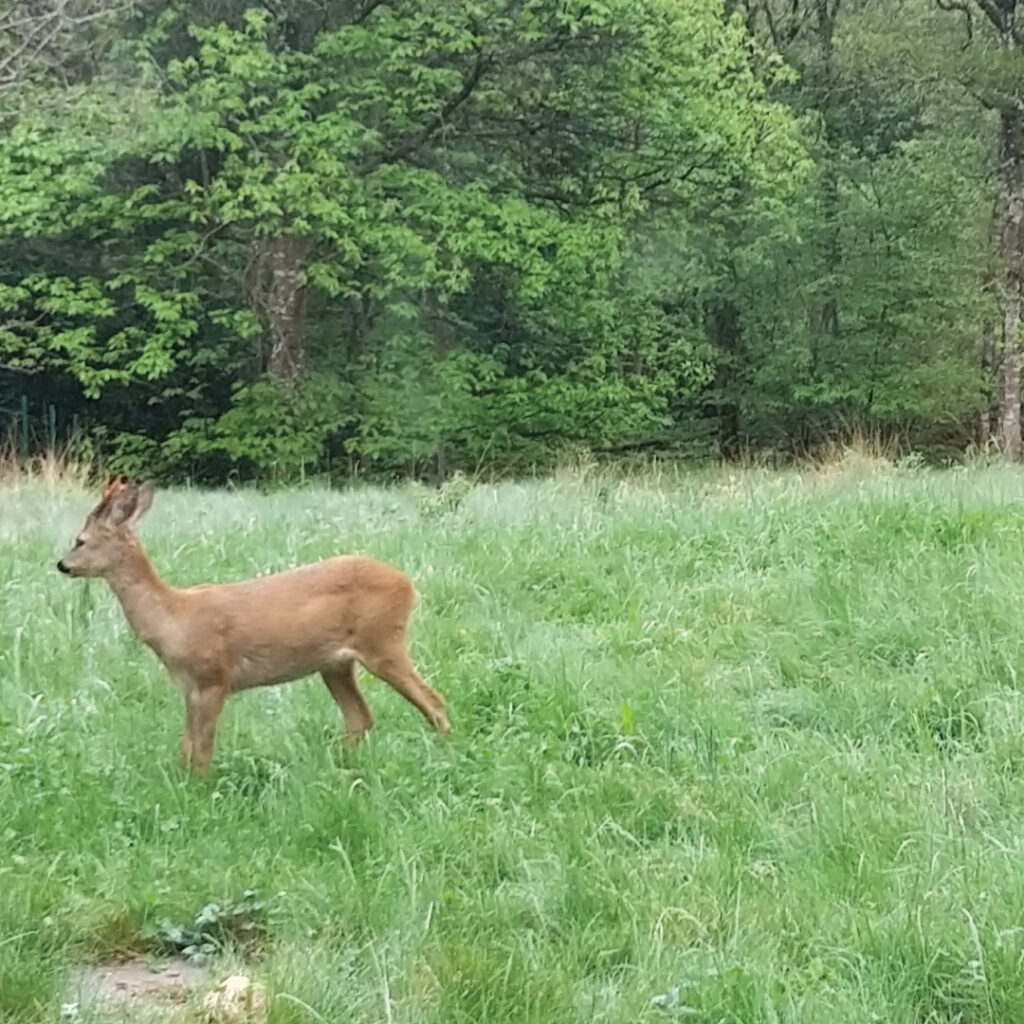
x: 729, y: 747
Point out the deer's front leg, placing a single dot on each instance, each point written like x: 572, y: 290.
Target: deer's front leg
x: 186, y: 736
x: 203, y: 706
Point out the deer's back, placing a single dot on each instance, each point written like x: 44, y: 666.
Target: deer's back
x: 295, y: 622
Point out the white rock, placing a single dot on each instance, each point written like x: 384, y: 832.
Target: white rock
x: 236, y: 1000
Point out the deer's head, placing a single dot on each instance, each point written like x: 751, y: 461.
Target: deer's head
x: 108, y: 535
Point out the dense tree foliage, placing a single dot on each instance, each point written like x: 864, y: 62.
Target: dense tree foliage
x: 413, y: 236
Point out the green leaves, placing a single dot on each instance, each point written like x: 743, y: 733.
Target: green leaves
x: 473, y: 180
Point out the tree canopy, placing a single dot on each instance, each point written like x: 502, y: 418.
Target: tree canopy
x: 412, y: 236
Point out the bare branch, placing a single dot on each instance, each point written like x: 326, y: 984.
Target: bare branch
x: 414, y: 142
x: 50, y: 35
x: 365, y: 10
x: 994, y: 12
x: 955, y: 5
x: 783, y: 28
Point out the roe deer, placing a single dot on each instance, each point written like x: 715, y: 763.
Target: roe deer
x: 216, y: 639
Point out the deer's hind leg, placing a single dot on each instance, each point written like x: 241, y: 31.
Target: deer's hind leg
x: 393, y: 665
x: 341, y: 681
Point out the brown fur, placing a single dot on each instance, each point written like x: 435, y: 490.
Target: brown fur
x: 217, y: 639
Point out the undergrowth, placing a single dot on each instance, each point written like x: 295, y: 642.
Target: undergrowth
x: 736, y: 746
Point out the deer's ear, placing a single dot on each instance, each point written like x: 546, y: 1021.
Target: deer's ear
x: 129, y: 504
x: 144, y: 498
x: 114, y: 496
x: 120, y: 506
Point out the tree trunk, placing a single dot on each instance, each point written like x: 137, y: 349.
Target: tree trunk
x: 279, y: 295
x: 723, y: 328
x: 1012, y: 166
x: 988, y: 371
x: 441, y: 328
x: 359, y: 307
x: 828, y: 311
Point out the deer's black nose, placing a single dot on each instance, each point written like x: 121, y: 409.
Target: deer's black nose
x: 63, y: 568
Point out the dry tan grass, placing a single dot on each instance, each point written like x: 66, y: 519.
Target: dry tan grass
x: 61, y: 468
x: 861, y: 451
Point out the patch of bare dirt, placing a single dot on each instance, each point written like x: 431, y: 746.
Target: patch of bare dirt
x: 134, y: 990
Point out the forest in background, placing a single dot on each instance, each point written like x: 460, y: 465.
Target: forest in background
x: 401, y: 237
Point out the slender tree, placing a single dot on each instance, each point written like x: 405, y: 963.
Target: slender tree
x: 999, y: 85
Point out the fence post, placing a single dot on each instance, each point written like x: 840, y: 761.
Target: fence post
x: 24, y: 427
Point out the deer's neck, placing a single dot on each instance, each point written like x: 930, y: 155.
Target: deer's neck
x: 147, y: 601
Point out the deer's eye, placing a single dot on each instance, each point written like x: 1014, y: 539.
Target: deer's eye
x: 79, y: 542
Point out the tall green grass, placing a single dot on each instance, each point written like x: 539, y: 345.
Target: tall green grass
x: 752, y: 743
